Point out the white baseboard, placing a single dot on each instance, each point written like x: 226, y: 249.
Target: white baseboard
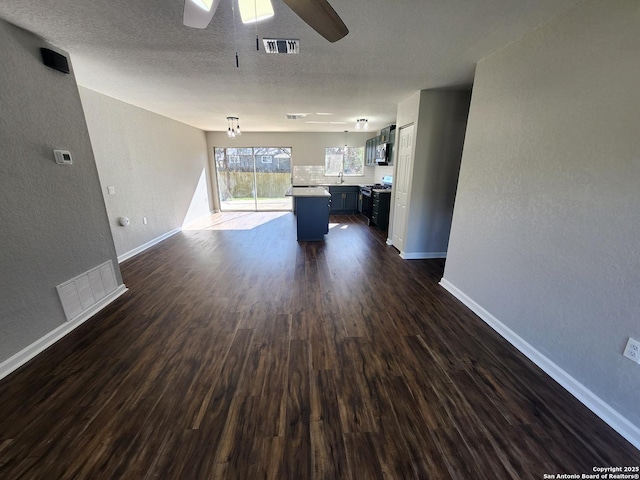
x: 149, y: 244
x: 422, y: 255
x: 598, y: 406
x: 27, y: 353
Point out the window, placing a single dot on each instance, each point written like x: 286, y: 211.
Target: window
x: 253, y: 178
x: 349, y: 160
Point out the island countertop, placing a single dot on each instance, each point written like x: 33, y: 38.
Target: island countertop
x: 307, y: 192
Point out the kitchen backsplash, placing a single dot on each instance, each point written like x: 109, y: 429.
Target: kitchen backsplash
x: 314, y: 175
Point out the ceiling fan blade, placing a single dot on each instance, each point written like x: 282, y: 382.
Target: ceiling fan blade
x: 320, y: 16
x: 197, y: 17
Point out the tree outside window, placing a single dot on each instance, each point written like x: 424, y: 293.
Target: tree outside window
x: 349, y: 160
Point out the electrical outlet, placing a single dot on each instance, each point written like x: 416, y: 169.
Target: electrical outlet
x: 144, y: 220
x: 632, y: 350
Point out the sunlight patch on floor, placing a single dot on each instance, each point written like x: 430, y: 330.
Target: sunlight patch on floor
x: 334, y: 225
x: 234, y: 220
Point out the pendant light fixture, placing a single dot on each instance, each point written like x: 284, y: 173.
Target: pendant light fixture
x: 235, y: 40
x: 233, y: 129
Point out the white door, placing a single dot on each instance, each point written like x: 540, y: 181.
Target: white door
x: 401, y: 186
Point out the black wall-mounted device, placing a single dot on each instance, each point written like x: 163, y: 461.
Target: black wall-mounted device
x: 55, y: 60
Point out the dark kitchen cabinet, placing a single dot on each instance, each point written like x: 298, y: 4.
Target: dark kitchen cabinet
x: 344, y: 199
x: 370, y: 151
x: 391, y: 144
x: 385, y: 134
x: 312, y: 217
x: 351, y: 200
x: 381, y: 202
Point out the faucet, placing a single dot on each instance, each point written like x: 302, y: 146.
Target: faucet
x: 341, y: 175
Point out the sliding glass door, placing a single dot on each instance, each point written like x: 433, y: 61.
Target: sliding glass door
x: 253, y: 178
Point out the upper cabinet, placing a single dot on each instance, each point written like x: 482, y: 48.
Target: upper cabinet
x: 391, y: 145
x: 370, y: 151
x: 385, y: 134
x: 373, y: 154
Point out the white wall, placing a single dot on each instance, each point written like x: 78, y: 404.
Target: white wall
x: 158, y: 167
x: 53, y: 220
x: 546, y: 228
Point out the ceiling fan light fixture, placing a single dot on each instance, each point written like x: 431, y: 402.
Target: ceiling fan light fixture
x: 204, y: 4
x: 253, y: 11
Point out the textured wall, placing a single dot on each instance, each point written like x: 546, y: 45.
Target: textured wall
x: 546, y: 228
x: 158, y: 167
x: 439, y: 117
x: 439, y: 138
x: 53, y: 220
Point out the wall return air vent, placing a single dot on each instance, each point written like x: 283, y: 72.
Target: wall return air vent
x: 281, y: 45
x: 81, y: 293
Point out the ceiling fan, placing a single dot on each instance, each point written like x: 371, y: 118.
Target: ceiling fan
x: 318, y: 14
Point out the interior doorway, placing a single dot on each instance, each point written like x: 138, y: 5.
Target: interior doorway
x: 253, y: 178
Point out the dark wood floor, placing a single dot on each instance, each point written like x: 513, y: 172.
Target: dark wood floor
x: 245, y: 355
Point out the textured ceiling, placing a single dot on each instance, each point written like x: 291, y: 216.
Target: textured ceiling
x: 138, y: 51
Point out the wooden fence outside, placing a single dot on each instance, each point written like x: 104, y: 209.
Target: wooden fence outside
x: 240, y: 184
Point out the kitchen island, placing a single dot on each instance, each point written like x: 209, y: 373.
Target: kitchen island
x: 311, y: 206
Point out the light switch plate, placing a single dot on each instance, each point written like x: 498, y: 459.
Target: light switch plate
x: 111, y: 189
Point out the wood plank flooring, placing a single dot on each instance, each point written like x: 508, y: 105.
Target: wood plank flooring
x: 243, y: 354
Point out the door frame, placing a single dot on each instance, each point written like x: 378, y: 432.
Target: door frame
x: 401, y: 168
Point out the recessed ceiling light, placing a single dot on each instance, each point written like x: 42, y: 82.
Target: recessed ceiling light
x: 320, y: 113
x: 313, y: 121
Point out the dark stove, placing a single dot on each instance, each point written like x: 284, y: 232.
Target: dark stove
x: 368, y: 193
x: 367, y: 189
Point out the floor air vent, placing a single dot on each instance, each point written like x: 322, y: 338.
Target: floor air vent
x: 82, y: 292
x: 281, y: 45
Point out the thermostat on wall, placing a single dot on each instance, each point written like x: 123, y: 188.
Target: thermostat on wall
x: 63, y: 157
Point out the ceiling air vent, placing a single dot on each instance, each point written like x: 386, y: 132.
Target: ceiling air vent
x: 281, y: 45
x: 295, y: 116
